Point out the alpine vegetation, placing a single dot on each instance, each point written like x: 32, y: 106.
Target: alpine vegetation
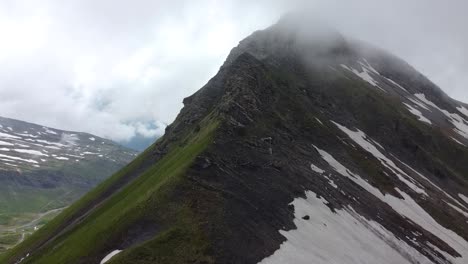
x: 43, y: 170
x: 306, y: 147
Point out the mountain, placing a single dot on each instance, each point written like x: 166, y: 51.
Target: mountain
x: 306, y: 147
x: 43, y: 170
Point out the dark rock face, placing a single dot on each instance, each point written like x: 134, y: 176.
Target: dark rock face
x: 303, y: 126
x: 283, y: 114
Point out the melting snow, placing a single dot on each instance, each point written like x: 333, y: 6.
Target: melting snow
x: 331, y: 182
x: 92, y: 139
x: 418, y: 113
x: 458, y: 209
x: 110, y: 255
x: 316, y: 169
x: 362, y: 140
x: 62, y: 158
x: 364, y: 75
x: 50, y: 143
x: 343, y: 237
x: 318, y: 120
x: 396, y: 84
x: 89, y: 153
x: 463, y: 110
x: 19, y: 159
x: 463, y: 197
x: 456, y: 140
x: 4, y: 143
x: 5, y: 135
x: 31, y: 152
x: 52, y: 147
x: 419, y: 103
x: 461, y: 125
x: 409, y: 209
x: 431, y: 183
x: 320, y: 171
x: 26, y: 135
x: 47, y: 130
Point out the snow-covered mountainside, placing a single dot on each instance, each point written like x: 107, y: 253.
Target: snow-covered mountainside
x: 306, y: 147
x: 25, y: 146
x: 43, y: 169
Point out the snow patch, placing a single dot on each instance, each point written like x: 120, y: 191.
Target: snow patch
x: 31, y: 152
x: 463, y: 197
x: 396, y: 84
x: 364, y: 75
x: 316, y: 169
x: 342, y: 237
x: 331, y: 182
x: 457, y: 141
x: 367, y: 144
x: 433, y: 184
x: 463, y: 110
x: 419, y: 103
x: 409, y: 209
x: 18, y: 159
x: 461, y: 125
x: 418, y: 113
x: 26, y: 135
x: 50, y: 143
x: 318, y: 120
x: 4, y: 143
x: 110, y: 255
x: 47, y: 130
x: 53, y: 147
x: 89, y: 153
x: 458, y: 209
x: 5, y: 135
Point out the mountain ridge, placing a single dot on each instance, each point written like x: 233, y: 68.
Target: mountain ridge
x: 276, y: 151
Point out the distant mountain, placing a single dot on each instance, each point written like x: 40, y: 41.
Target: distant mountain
x: 306, y: 147
x: 42, y: 169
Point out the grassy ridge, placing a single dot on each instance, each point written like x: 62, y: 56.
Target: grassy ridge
x: 123, y: 208
x: 67, y: 214
x: 26, y: 196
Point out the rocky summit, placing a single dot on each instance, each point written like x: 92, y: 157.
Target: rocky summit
x: 306, y: 147
x: 43, y: 170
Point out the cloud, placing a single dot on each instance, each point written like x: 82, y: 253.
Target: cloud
x: 120, y: 69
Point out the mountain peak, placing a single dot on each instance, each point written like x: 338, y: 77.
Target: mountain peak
x: 299, y: 145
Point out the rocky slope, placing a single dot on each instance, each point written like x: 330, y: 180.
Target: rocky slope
x: 306, y: 147
x: 42, y: 169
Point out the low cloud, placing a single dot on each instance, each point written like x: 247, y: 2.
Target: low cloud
x: 120, y: 69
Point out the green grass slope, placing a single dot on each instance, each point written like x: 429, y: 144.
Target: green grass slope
x: 146, y: 197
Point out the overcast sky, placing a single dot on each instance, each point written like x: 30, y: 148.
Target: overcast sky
x: 119, y: 68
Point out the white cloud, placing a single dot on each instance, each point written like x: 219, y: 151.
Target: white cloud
x: 121, y: 68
